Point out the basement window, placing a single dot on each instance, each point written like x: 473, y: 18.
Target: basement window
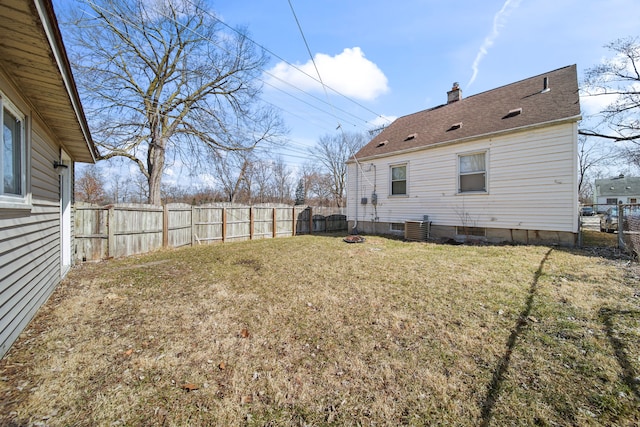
x: 396, y: 227
x: 513, y: 113
x: 471, y: 231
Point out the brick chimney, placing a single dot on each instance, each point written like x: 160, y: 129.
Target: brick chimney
x: 455, y: 94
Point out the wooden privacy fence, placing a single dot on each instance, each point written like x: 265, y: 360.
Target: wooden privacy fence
x: 121, y: 230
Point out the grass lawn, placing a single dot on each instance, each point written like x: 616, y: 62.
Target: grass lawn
x: 314, y: 331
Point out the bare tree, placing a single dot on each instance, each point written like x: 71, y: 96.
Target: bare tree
x: 231, y: 169
x: 333, y: 152
x: 617, y: 78
x: 120, y: 189
x: 262, y: 175
x: 318, y: 188
x: 162, y: 78
x: 281, y: 180
x: 89, y: 186
x: 591, y: 156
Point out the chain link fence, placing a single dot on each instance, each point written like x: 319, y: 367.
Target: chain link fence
x: 612, y: 225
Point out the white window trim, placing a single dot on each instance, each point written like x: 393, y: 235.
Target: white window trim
x: 406, y: 179
x: 17, y: 201
x: 486, y: 173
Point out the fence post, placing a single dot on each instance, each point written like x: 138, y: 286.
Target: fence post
x: 193, y: 234
x: 275, y: 224
x: 293, y: 222
x: 620, y: 226
x: 224, y: 224
x: 251, y: 223
x: 111, y: 240
x: 165, y: 226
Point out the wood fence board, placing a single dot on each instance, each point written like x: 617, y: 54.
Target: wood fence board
x: 127, y: 229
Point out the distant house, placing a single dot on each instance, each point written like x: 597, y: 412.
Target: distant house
x: 611, y: 191
x: 498, y: 166
x: 44, y: 132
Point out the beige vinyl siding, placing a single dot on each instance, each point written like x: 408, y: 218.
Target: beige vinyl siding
x: 30, y: 244
x: 530, y: 182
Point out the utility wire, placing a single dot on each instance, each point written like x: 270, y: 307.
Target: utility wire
x: 133, y: 24
x: 358, y: 165
x: 301, y: 153
x: 290, y: 64
x: 313, y: 61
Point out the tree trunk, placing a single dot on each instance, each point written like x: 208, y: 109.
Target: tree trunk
x: 155, y: 165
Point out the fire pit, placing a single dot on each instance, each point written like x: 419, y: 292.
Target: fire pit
x: 354, y: 239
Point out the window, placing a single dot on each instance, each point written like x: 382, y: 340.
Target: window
x: 613, y: 201
x: 399, y: 180
x: 472, y: 173
x: 396, y: 227
x: 12, y: 151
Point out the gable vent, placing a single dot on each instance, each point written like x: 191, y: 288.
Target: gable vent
x: 455, y: 126
x: 513, y: 113
x: 410, y: 137
x: 383, y: 143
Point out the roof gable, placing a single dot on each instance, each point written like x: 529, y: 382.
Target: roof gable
x: 517, y: 105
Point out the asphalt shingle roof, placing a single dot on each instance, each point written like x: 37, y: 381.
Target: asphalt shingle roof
x: 619, y: 186
x: 483, y: 114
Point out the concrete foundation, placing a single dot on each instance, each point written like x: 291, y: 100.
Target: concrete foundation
x: 491, y: 235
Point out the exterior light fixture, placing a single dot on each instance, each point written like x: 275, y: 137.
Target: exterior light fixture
x: 59, y: 167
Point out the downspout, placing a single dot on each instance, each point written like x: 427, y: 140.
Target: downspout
x: 354, y: 230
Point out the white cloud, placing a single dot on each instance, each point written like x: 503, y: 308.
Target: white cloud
x: 499, y: 20
x: 349, y: 73
x: 593, y: 104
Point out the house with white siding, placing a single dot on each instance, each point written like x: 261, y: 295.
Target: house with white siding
x: 499, y: 166
x: 612, y: 191
x: 44, y: 131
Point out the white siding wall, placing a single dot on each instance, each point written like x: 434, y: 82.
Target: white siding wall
x: 532, y: 184
x: 30, y: 242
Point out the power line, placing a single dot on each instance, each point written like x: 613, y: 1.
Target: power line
x: 358, y: 165
x: 289, y: 63
x: 364, y: 121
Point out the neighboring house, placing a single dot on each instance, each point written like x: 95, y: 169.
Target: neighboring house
x: 612, y: 191
x: 498, y: 166
x: 44, y: 131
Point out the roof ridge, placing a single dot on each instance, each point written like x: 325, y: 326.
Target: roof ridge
x: 489, y: 90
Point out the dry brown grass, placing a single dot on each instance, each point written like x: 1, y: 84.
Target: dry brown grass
x: 314, y: 331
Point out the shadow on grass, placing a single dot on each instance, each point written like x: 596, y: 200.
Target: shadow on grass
x: 607, y: 316
x: 503, y: 364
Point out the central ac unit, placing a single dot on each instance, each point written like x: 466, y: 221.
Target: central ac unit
x: 416, y: 230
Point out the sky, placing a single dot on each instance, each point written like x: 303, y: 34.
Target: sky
x: 380, y: 60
